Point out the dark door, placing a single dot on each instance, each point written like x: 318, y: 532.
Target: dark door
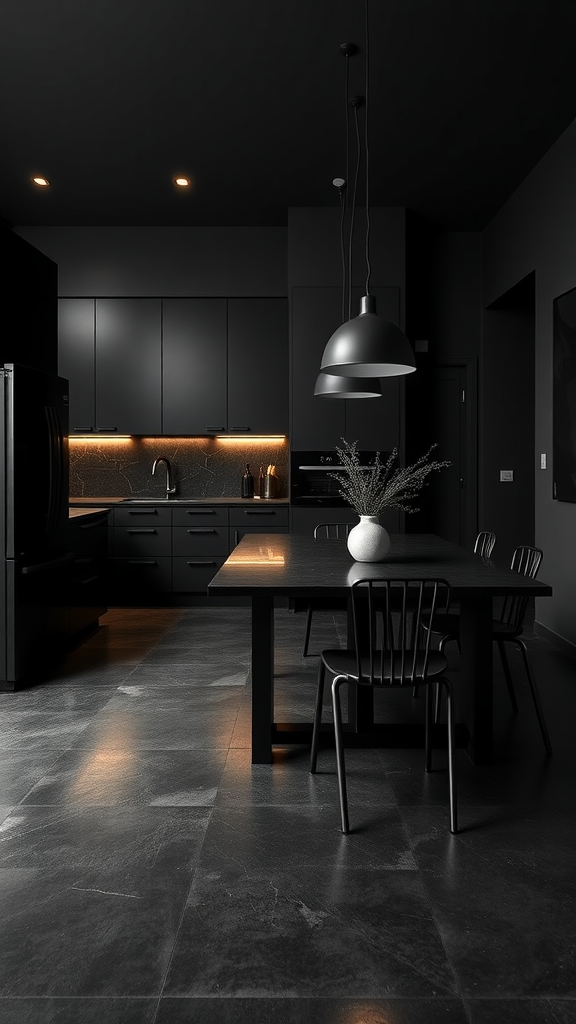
x: 194, y: 366
x: 436, y: 411
x: 128, y: 366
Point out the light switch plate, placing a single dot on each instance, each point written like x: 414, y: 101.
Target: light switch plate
x: 506, y: 476
x: 543, y: 461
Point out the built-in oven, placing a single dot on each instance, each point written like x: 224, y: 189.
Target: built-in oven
x: 311, y: 484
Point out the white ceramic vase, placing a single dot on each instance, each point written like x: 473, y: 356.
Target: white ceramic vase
x: 369, y: 541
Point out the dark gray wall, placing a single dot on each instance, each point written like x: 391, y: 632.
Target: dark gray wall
x: 114, y: 261
x: 536, y: 231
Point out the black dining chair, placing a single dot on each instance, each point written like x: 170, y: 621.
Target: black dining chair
x: 390, y: 651
x: 322, y: 532
x: 507, y: 628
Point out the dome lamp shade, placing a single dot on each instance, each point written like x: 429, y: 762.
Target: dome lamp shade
x: 368, y: 346
x: 329, y: 385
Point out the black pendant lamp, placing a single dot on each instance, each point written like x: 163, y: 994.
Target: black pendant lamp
x: 368, y: 345
x: 331, y: 385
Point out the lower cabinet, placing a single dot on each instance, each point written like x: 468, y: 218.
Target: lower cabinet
x: 162, y: 550
x: 141, y: 552
x: 87, y: 597
x: 199, y: 546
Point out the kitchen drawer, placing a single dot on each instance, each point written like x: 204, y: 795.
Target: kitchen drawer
x: 237, y: 532
x: 141, y: 575
x: 262, y: 517
x: 144, y: 516
x: 140, y: 540
x: 202, y: 515
x: 200, y: 540
x: 193, y: 575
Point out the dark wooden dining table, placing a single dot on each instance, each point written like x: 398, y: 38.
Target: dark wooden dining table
x: 268, y: 566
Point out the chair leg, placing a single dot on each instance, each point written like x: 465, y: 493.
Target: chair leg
x: 340, y: 752
x: 428, y: 733
x: 535, y: 695
x: 508, y: 676
x: 451, y: 767
x: 317, y: 717
x: 307, y: 633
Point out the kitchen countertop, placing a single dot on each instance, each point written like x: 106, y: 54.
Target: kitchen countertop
x: 84, y: 513
x: 109, y: 502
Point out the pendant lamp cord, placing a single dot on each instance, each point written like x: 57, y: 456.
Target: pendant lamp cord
x: 343, y: 195
x: 353, y: 210
x: 367, y: 162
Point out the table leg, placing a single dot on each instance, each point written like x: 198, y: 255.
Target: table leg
x: 262, y: 678
x: 475, y: 686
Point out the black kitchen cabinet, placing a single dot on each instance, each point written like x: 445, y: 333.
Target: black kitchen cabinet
x: 258, y: 366
x: 199, y: 546
x: 29, y: 292
x: 110, y: 351
x: 225, y: 366
x: 194, y: 366
x: 128, y: 366
x: 318, y: 423
x: 141, y: 547
x: 267, y: 519
x: 76, y: 355
x: 88, y: 583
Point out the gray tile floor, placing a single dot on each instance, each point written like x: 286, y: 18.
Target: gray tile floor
x: 151, y: 875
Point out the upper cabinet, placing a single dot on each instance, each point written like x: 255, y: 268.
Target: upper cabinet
x: 258, y: 366
x: 182, y: 366
x: 128, y: 365
x: 318, y: 423
x: 110, y: 351
x: 194, y: 366
x: 225, y: 366
x: 29, y: 290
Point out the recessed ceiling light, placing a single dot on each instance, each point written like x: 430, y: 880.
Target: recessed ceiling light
x: 42, y: 182
x: 182, y: 182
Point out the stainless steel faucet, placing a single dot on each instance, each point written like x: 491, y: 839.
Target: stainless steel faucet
x: 170, y: 487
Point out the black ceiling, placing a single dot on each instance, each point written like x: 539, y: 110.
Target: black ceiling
x: 110, y: 99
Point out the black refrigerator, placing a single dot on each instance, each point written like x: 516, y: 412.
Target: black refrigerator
x: 35, y: 563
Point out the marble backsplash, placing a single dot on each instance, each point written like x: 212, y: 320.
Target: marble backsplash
x: 203, y: 467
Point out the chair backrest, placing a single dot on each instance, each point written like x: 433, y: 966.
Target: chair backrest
x: 526, y: 561
x: 485, y: 542
x: 332, y: 531
x: 393, y: 625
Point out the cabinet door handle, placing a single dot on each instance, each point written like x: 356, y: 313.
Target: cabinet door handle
x: 244, y: 430
x: 106, y: 430
x: 201, y: 512
x: 202, y: 563
x: 258, y: 512
x: 201, y: 529
x: 84, y: 430
x: 141, y: 529
x: 142, y: 561
x: 143, y: 512
x: 218, y: 429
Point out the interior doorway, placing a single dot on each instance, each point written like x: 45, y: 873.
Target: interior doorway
x: 441, y: 408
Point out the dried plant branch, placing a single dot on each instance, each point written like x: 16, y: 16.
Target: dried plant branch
x: 370, y: 489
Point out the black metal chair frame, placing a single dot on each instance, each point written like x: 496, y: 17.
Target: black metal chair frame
x: 507, y: 628
x: 399, y: 614
x: 324, y: 531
